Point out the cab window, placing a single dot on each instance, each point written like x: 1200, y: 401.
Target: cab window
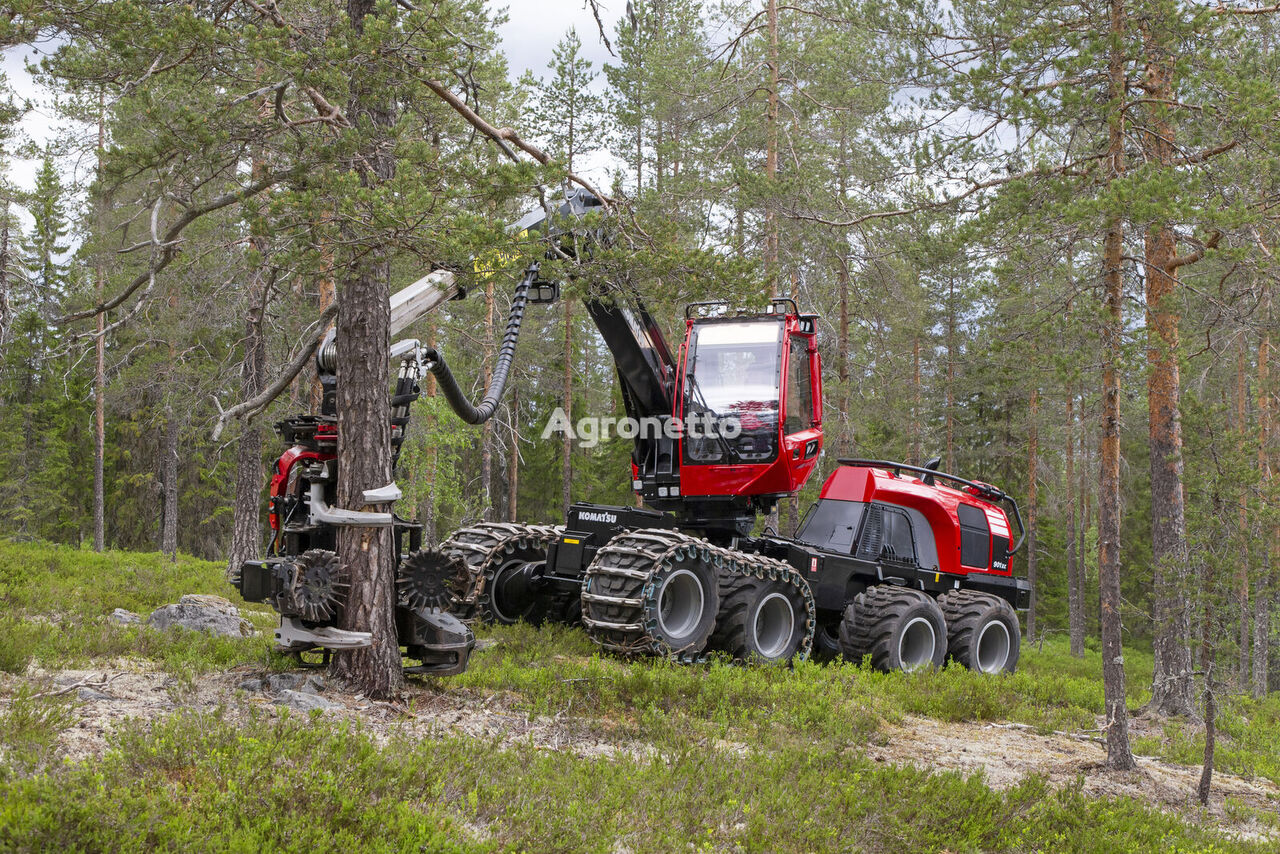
x: 975, y: 537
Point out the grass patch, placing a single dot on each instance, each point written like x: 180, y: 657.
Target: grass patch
x: 29, y: 727
x: 196, y: 781
x: 55, y: 601
x: 558, y: 670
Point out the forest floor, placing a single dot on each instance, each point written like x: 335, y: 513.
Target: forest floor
x: 124, y: 737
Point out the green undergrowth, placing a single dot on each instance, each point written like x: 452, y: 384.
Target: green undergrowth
x: 197, y: 782
x: 557, y: 670
x: 54, y: 603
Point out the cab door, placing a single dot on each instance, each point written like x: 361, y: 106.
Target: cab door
x: 802, y: 403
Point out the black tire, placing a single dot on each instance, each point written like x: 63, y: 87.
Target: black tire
x: 507, y: 598
x: 652, y: 592
x: 900, y: 628
x: 759, y: 620
x: 983, y: 633
x: 491, y: 552
x: 826, y: 641
x: 684, y: 606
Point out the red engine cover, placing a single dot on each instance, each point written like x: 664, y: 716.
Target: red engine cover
x: 937, y: 503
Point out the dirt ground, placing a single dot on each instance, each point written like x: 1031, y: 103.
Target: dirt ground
x: 1007, y: 753
x: 1003, y: 753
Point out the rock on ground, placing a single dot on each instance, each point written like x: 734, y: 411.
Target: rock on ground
x: 124, y: 618
x: 211, y: 614
x: 304, y: 702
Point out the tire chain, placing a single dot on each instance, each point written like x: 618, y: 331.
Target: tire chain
x: 619, y: 587
x: 481, y: 548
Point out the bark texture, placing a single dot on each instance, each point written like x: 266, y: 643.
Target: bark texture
x: 169, y: 485
x: 1263, y: 592
x: 1119, y: 753
x: 1075, y: 576
x: 1033, y: 465
x: 364, y: 413
x: 566, y: 402
x: 246, y: 530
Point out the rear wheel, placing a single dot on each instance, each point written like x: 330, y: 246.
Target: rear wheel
x: 982, y: 631
x: 759, y: 620
x: 900, y: 628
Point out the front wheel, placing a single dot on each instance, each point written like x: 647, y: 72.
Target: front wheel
x: 900, y: 628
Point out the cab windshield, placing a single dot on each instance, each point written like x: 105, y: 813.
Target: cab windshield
x: 733, y: 376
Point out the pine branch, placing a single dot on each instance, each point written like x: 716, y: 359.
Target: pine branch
x: 254, y: 405
x: 169, y: 244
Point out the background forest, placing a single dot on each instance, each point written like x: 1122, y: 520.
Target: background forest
x: 1040, y: 239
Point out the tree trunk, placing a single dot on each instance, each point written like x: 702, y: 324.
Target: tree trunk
x: 169, y: 488
x: 1075, y: 577
x: 430, y: 513
x: 566, y: 402
x: 1262, y: 586
x: 1172, y: 683
x: 246, y: 530
x: 917, y: 429
x: 1033, y: 465
x: 771, y: 150
x: 1119, y: 754
x: 486, y: 432
x: 950, y: 395
x: 1210, y: 733
x: 6, y: 262
x: 1242, y: 570
x: 364, y: 411
x: 246, y: 525
x: 99, y: 361
x: 513, y: 461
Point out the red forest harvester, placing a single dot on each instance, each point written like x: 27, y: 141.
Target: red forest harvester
x: 889, y: 562
x: 897, y: 562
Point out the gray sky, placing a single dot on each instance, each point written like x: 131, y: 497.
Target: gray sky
x: 528, y: 37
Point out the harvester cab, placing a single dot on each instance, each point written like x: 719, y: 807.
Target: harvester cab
x: 750, y: 402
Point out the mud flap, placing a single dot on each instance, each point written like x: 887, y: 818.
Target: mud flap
x: 441, y: 641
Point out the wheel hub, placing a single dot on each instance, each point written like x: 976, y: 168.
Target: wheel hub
x: 993, y: 647
x: 917, y: 644
x: 680, y: 605
x: 774, y: 625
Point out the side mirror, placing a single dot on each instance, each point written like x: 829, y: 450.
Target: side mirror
x: 544, y: 293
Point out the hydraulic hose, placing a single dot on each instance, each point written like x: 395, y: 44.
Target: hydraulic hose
x: 449, y: 387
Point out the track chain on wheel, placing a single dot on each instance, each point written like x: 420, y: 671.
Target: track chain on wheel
x: 482, y: 548
x: 619, y: 594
